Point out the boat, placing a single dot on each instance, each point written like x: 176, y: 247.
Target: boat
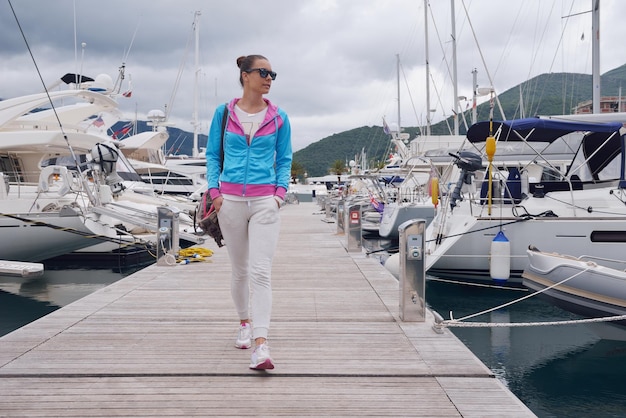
x: 60, y: 189
x: 592, y: 287
x: 412, y: 199
x: 572, y: 200
x: 144, y: 152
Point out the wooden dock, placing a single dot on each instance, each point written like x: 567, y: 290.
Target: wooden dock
x: 160, y: 343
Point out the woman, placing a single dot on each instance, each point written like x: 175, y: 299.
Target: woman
x: 247, y: 191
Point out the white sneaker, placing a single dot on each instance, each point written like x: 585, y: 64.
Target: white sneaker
x: 261, y: 359
x: 244, y: 336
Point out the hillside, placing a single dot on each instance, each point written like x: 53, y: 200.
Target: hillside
x: 546, y: 94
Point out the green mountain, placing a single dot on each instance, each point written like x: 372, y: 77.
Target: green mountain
x: 546, y: 94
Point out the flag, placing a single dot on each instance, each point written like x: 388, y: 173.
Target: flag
x: 98, y: 122
x: 376, y: 204
x: 125, y: 129
x: 386, y: 129
x: 129, y: 91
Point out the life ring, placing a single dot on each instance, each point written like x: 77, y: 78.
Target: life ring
x: 55, y: 171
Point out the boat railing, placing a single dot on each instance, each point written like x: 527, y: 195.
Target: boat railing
x: 607, y: 262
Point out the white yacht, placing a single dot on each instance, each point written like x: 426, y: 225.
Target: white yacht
x: 60, y: 190
x: 581, y: 210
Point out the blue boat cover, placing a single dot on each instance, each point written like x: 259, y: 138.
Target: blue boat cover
x: 545, y: 130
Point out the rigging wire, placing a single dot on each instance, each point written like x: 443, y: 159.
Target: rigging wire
x: 54, y: 110
x: 482, y: 57
x: 406, y: 82
x: 559, y: 45
x: 180, y: 72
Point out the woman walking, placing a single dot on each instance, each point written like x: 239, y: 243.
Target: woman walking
x: 248, y: 159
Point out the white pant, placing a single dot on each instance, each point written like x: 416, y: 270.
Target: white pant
x: 250, y: 228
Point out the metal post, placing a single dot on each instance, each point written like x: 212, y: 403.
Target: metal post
x: 412, y: 273
x: 353, y: 228
x: 340, y: 216
x: 167, y: 236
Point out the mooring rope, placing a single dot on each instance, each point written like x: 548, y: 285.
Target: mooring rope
x: 528, y: 324
x: 460, y: 323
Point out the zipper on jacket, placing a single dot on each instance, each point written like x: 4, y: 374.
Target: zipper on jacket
x: 273, y: 119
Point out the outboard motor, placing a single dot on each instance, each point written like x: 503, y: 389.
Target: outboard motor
x: 468, y: 162
x: 105, y: 157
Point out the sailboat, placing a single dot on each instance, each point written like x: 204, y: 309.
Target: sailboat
x: 193, y: 167
x: 414, y: 195
x: 571, y: 205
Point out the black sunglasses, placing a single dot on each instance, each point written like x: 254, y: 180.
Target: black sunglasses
x: 263, y: 72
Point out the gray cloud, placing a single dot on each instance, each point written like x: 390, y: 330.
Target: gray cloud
x: 335, y: 59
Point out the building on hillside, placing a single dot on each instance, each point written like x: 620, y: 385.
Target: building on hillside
x: 608, y: 104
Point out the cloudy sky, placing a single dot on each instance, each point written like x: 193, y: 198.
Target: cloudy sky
x: 336, y: 59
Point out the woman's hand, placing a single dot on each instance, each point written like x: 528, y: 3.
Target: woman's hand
x: 217, y: 203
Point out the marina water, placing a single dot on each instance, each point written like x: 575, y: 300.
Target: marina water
x: 557, y: 371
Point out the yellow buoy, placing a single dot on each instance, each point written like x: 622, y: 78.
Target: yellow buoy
x: 434, y: 191
x: 490, y: 147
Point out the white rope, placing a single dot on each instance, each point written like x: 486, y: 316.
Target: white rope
x: 459, y: 322
x: 490, y: 286
x: 455, y: 323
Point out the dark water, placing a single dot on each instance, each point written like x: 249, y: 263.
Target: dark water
x: 557, y: 371
x: 25, y: 300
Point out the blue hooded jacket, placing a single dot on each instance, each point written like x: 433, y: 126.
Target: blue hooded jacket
x: 261, y: 168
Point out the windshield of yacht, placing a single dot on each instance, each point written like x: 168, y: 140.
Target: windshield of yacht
x: 123, y: 166
x: 598, y: 159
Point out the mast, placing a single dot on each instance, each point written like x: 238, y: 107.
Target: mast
x: 521, y: 103
x: 196, y: 23
x: 595, y: 55
x: 398, y: 83
x: 474, y: 95
x: 454, y: 73
x: 428, y: 122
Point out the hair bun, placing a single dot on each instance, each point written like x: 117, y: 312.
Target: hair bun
x: 240, y: 60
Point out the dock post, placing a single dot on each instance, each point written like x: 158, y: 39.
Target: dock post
x: 352, y: 224
x: 168, y: 245
x: 327, y: 208
x: 339, y: 215
x: 412, y: 273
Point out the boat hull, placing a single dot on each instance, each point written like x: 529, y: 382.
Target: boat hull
x: 40, y: 236
x: 468, y: 259
x: 588, y: 289
x: 395, y: 214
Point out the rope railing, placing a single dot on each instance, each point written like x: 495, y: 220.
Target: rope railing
x: 441, y: 323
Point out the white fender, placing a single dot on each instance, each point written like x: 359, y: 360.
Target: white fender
x: 65, y: 178
x: 500, y: 262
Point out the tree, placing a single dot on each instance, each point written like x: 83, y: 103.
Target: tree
x: 338, y: 168
x: 297, y: 171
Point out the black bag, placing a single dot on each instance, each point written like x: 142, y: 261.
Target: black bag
x: 206, y: 216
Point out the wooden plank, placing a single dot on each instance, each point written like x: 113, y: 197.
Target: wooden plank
x: 160, y: 343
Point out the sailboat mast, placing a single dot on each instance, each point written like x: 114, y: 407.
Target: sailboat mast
x: 428, y: 122
x: 398, y: 87
x: 196, y: 23
x: 474, y: 95
x: 454, y: 71
x: 595, y: 55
